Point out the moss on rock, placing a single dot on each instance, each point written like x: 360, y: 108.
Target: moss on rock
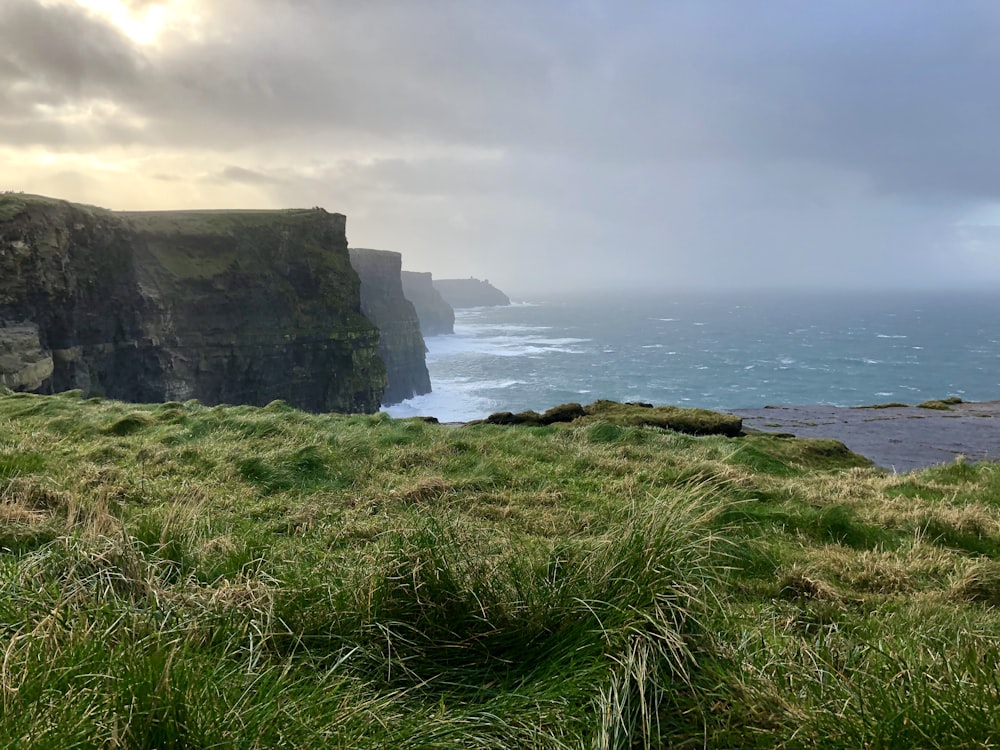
x: 690, y: 421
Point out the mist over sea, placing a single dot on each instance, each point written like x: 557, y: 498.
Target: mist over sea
x: 714, y: 350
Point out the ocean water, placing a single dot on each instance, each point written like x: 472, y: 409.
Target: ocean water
x: 717, y: 351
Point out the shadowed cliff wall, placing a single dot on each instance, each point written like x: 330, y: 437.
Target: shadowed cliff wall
x: 222, y: 306
x: 401, y: 344
x: 436, y: 316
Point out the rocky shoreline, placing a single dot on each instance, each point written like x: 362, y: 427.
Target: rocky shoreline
x: 898, y: 438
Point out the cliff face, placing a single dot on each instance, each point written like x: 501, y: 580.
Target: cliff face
x: 401, y: 344
x: 223, y: 306
x: 435, y: 315
x: 461, y: 293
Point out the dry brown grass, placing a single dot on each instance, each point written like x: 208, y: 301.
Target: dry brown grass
x: 979, y: 582
x: 797, y: 583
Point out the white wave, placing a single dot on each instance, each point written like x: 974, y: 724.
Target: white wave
x: 522, y: 350
x: 440, y: 348
x: 556, y: 342
x: 496, y: 329
x: 502, y: 345
x: 890, y: 336
x: 454, y: 400
x: 444, y: 406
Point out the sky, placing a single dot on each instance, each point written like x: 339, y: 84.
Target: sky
x: 566, y: 144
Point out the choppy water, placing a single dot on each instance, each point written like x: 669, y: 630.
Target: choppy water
x: 735, y: 350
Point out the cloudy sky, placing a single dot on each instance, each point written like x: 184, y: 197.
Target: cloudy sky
x: 543, y: 145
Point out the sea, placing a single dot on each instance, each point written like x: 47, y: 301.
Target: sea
x: 715, y: 350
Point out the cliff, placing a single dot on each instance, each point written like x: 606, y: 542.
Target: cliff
x: 223, y: 306
x: 401, y: 346
x: 435, y: 315
x: 470, y: 293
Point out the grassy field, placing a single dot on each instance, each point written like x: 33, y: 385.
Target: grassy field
x: 179, y: 576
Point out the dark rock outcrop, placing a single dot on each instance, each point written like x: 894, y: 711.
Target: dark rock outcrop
x: 24, y: 364
x: 436, y: 316
x: 630, y: 414
x: 222, y: 306
x: 401, y: 346
x: 460, y: 293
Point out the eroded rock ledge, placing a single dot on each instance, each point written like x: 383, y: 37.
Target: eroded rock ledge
x: 24, y: 364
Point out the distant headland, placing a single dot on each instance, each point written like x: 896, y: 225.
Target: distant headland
x: 471, y: 292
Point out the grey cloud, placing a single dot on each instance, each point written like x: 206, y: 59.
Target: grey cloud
x: 714, y: 140
x: 65, y: 50
x: 655, y: 81
x: 245, y: 176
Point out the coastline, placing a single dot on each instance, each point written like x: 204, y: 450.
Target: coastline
x: 897, y: 438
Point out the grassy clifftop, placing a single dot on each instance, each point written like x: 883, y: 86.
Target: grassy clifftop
x: 13, y: 204
x: 184, y: 576
x: 188, y: 242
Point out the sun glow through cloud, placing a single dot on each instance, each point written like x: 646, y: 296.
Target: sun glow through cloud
x: 692, y: 143
x: 142, y: 26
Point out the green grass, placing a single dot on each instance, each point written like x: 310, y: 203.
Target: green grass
x: 943, y: 404
x: 613, y: 414
x: 14, y: 203
x: 198, y: 245
x: 175, y: 575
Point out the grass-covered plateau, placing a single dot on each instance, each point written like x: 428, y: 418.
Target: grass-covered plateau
x: 179, y: 576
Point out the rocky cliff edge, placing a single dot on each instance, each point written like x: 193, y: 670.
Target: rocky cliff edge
x: 401, y: 345
x: 223, y: 306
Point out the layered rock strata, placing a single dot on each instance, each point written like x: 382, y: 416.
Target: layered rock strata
x: 435, y: 315
x: 24, y: 364
x: 223, y: 306
x: 401, y: 345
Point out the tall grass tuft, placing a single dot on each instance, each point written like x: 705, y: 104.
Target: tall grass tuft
x: 602, y: 627
x: 179, y: 575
